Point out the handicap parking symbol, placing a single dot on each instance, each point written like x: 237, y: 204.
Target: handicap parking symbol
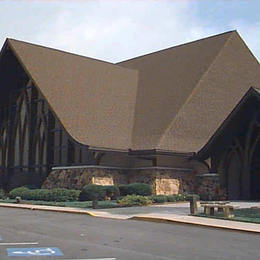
x: 39, y: 251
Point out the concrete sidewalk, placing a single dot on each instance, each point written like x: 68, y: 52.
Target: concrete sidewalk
x: 157, y: 214
x: 200, y: 221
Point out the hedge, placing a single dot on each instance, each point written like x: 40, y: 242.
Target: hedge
x: 112, y: 191
x: 45, y: 194
x: 135, y: 200
x: 92, y: 192
x: 159, y: 198
x: 142, y: 189
x: 168, y: 198
x: 177, y: 197
x: 99, y: 192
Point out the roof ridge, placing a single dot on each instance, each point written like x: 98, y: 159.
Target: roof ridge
x: 176, y: 46
x: 194, y: 89
x: 62, y: 51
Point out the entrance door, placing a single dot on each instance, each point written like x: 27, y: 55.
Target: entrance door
x: 233, y: 176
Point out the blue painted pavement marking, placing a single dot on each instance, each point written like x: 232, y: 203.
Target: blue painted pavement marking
x: 1, y: 238
x: 38, y: 251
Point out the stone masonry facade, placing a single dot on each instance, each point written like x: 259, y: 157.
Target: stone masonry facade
x: 164, y: 181
x: 79, y: 177
x: 208, y: 187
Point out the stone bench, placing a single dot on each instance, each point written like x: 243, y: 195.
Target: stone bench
x: 214, y: 202
x: 209, y: 209
x: 202, y: 203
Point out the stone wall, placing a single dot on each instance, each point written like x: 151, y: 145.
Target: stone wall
x: 78, y: 177
x: 165, y: 180
x: 208, y: 187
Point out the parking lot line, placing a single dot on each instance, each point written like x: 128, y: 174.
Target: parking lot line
x: 93, y: 259
x: 17, y: 244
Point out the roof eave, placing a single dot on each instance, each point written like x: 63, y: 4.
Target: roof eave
x: 203, y: 153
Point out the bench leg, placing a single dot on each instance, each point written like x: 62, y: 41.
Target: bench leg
x: 226, y: 212
x: 207, y: 210
x: 229, y: 212
x: 220, y: 209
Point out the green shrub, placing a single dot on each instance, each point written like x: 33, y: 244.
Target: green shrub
x: 92, y: 192
x: 140, y: 189
x: 168, y: 198
x: 2, y: 194
x: 135, y: 200
x: 21, y: 192
x: 136, y: 188
x: 159, y: 198
x: 176, y: 197
x: 172, y: 198
x: 112, y: 191
x: 44, y: 194
x: 61, y: 195
x: 123, y: 189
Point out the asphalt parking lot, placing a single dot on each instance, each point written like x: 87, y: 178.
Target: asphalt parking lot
x: 49, y: 234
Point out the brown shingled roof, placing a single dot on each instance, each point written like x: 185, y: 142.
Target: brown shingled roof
x: 173, y: 100
x: 185, y: 92
x: 93, y: 99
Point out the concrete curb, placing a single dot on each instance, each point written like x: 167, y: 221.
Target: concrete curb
x: 157, y: 219
x: 178, y: 221
x: 47, y: 208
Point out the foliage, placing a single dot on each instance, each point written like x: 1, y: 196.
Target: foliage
x: 168, y: 198
x: 159, y: 198
x: 142, y: 189
x: 21, y: 192
x: 112, y: 191
x: 135, y: 200
x: 62, y: 195
x: 176, y: 197
x: 92, y: 192
x: 45, y: 194
x: 123, y: 189
x: 2, y: 194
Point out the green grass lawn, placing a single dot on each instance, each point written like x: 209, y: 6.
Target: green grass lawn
x: 244, y: 215
x: 72, y: 204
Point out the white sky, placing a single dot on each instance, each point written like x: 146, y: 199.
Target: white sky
x: 117, y: 30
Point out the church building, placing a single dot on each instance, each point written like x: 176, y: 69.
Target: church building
x: 184, y: 119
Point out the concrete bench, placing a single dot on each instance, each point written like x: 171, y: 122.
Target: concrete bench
x: 202, y: 203
x: 209, y: 209
x: 214, y: 202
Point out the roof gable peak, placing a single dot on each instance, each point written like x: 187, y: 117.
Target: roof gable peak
x: 225, y: 34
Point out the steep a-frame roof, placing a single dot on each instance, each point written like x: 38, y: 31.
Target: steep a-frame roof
x: 166, y: 80
x: 94, y: 100
x: 186, y: 92
x: 173, y: 100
